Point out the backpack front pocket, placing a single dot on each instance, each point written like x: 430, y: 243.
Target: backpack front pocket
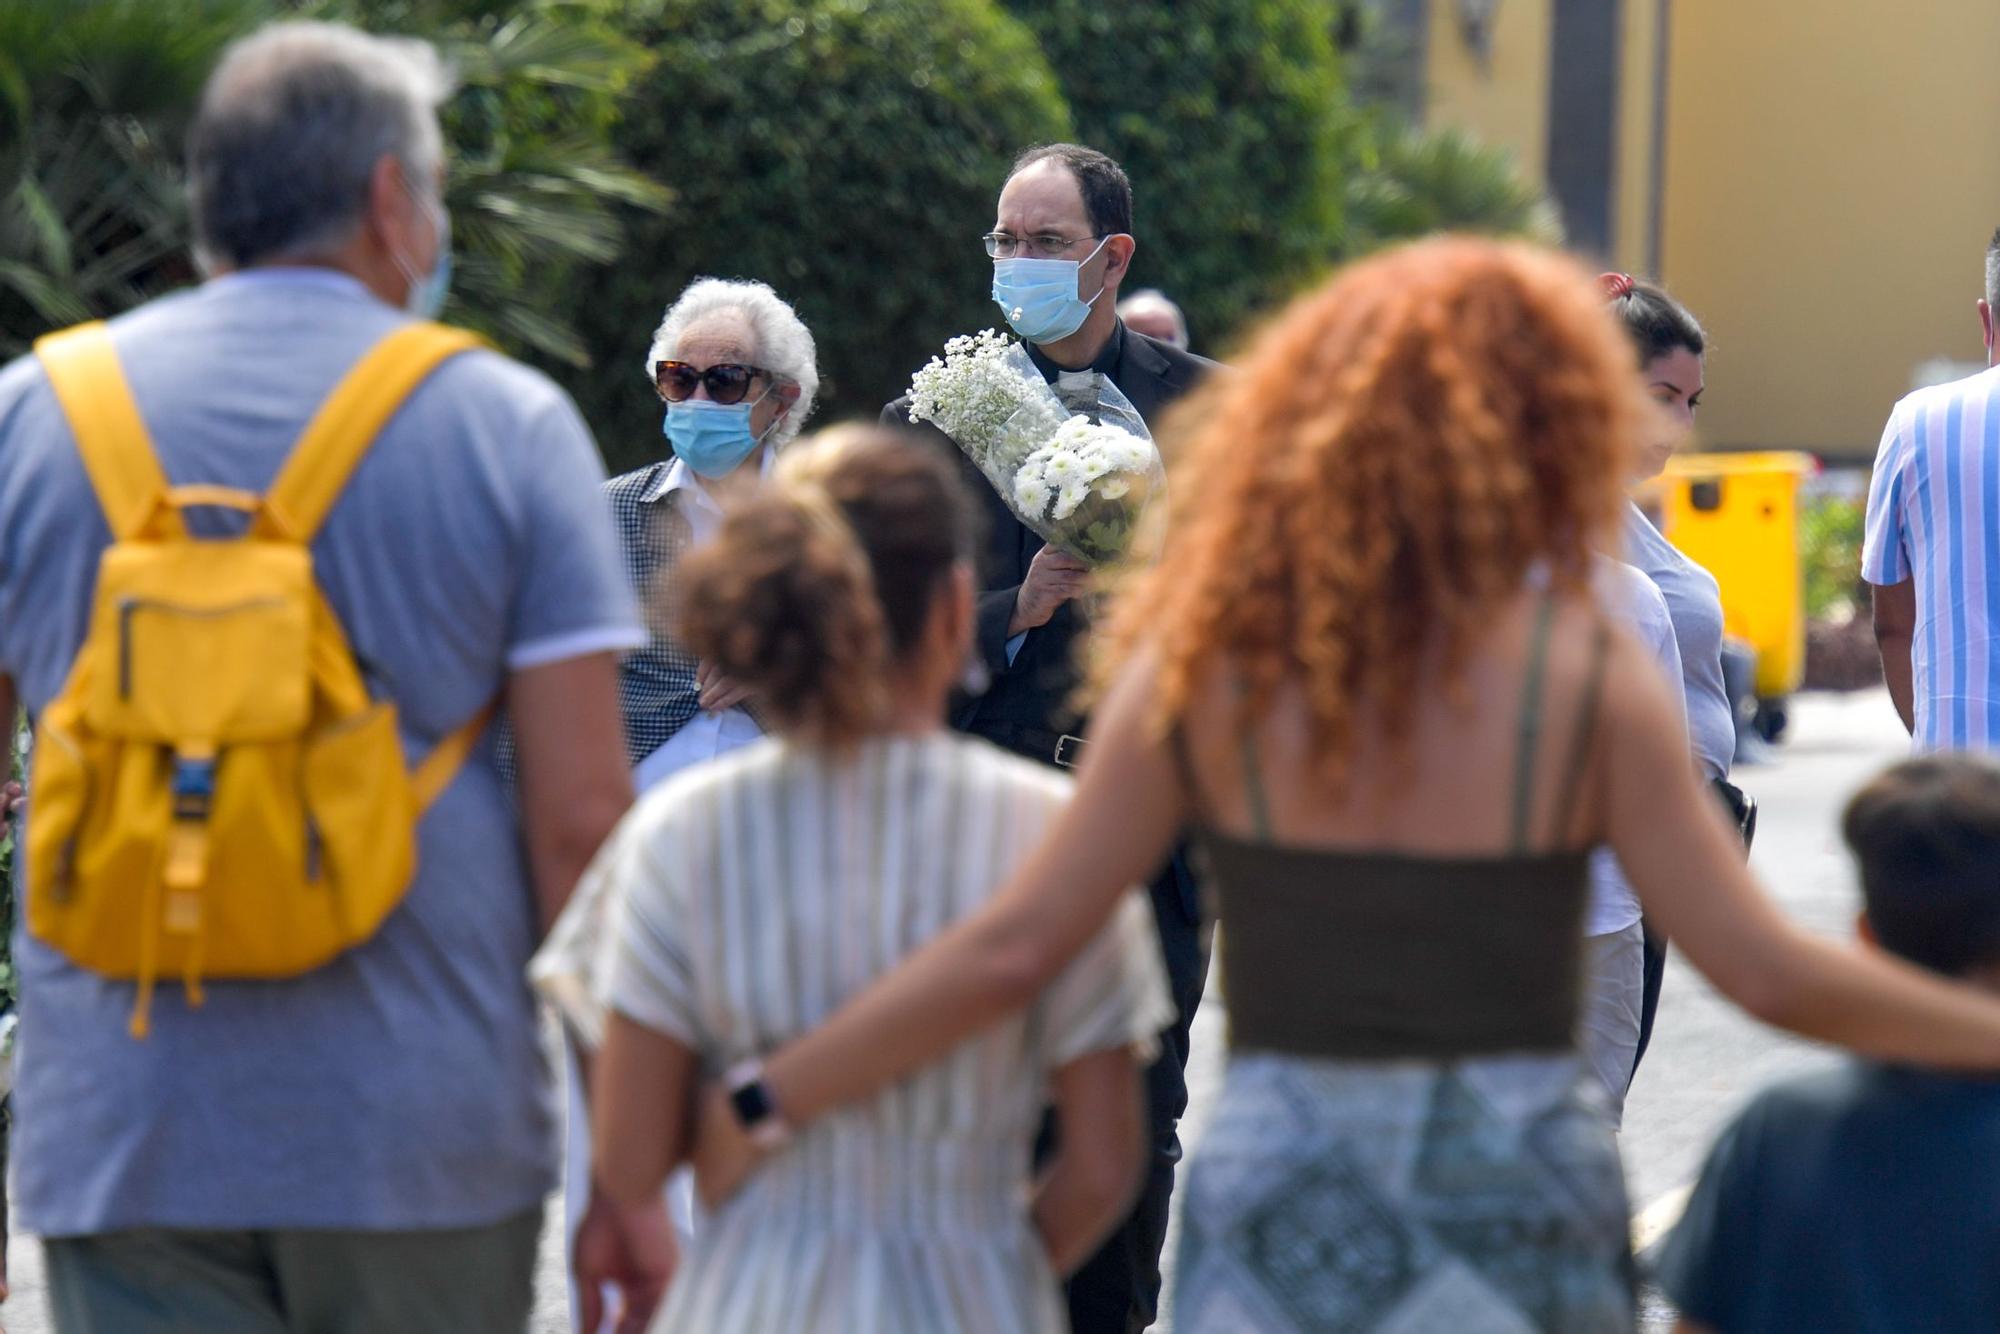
x: 202, y: 640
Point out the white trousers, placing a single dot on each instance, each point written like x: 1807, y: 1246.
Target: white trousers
x: 1607, y: 1034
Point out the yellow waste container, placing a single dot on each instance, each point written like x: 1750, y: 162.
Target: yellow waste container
x: 1737, y: 516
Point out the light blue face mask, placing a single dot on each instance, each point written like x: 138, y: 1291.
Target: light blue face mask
x: 711, y: 438
x: 1039, y: 298
x: 425, y: 295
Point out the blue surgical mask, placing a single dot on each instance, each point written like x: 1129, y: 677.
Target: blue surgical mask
x: 711, y: 438
x: 425, y: 295
x: 1039, y: 298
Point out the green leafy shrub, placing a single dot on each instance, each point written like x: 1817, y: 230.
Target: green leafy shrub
x: 535, y: 179
x: 1230, y: 118
x: 94, y: 98
x: 1830, y: 533
x: 1411, y: 183
x: 846, y: 152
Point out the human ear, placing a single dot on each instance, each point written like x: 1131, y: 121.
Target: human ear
x: 390, y: 207
x: 1118, y: 252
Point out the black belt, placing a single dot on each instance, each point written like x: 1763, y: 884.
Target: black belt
x: 1742, y: 808
x: 1062, y: 749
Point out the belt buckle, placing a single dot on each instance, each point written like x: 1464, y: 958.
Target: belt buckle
x: 1069, y: 751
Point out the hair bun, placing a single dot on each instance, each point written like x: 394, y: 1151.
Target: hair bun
x: 1617, y: 286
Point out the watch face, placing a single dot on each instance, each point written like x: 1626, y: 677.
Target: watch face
x: 751, y: 1103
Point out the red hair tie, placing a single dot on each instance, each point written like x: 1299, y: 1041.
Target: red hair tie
x: 1616, y: 285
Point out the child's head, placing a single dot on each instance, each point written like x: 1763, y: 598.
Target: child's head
x: 1927, y: 837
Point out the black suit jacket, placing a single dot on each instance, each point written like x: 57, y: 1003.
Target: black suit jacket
x: 1031, y: 700
x: 1034, y: 693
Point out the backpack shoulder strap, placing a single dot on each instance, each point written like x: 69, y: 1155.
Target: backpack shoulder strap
x: 348, y: 422
x: 82, y: 366
x: 435, y: 771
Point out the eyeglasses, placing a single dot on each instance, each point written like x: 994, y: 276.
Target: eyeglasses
x: 1001, y: 245
x: 726, y: 382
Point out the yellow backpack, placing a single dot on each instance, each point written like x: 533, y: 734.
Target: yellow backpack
x: 213, y: 790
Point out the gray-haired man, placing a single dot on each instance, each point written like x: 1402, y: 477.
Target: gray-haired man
x: 365, y: 1147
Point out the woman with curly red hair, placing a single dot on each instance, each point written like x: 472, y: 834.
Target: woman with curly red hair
x: 1370, y: 673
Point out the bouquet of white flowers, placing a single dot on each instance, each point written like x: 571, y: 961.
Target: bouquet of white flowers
x: 1078, y: 468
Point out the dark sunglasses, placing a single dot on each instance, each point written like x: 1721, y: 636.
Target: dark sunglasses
x: 727, y: 383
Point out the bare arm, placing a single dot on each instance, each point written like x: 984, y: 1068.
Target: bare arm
x: 1114, y: 833
x: 569, y: 745
x: 1100, y: 1156
x: 1686, y: 863
x: 641, y: 1098
x: 1895, y: 625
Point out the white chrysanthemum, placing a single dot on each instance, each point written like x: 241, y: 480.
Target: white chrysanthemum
x: 1068, y: 498
x: 1096, y: 463
x: 1031, y: 494
x: 1115, y: 489
x: 1063, y: 468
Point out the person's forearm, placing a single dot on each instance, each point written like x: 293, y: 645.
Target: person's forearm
x: 1113, y: 834
x: 569, y: 746
x: 640, y: 1099
x: 968, y: 978
x: 1897, y: 673
x: 560, y: 849
x: 993, y: 963
x: 1075, y: 1209
x: 1878, y: 1005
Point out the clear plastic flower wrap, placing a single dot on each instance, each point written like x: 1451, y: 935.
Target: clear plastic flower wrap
x: 1078, y: 468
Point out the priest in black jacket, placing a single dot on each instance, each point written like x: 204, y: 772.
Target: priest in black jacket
x: 1067, y: 210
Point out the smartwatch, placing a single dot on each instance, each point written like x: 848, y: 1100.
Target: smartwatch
x: 755, y: 1109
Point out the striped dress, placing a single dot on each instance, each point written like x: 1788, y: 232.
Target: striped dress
x: 757, y: 894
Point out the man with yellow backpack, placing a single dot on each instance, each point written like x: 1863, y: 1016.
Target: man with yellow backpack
x: 274, y: 553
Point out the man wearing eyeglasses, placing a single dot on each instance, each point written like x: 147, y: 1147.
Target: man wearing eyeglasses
x: 1061, y: 243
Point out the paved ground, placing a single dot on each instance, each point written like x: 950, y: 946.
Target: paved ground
x: 1706, y: 1057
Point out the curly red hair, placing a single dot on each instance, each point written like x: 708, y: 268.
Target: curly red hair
x: 1373, y: 485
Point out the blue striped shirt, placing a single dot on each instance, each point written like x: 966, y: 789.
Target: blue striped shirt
x: 1932, y: 518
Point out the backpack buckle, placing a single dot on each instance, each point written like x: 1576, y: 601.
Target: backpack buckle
x: 193, y: 788
x: 187, y: 842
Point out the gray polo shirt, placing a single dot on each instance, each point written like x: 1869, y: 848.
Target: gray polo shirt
x: 401, y: 1086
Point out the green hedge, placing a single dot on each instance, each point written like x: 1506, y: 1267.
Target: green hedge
x: 1231, y: 119
x: 1830, y: 533
x: 846, y: 152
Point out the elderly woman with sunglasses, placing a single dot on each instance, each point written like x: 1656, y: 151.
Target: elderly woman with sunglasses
x: 736, y: 372
x: 734, y: 368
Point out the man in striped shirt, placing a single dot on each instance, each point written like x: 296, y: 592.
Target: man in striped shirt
x: 1933, y: 551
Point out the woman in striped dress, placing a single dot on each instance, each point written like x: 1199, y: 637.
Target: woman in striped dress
x: 759, y: 893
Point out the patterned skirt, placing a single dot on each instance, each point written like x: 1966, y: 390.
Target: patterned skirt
x: 1478, y: 1197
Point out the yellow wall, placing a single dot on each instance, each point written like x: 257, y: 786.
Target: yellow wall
x: 1632, y: 223
x: 1833, y: 174
x: 1505, y: 102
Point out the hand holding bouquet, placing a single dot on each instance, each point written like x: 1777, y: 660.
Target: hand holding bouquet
x: 1079, y: 480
